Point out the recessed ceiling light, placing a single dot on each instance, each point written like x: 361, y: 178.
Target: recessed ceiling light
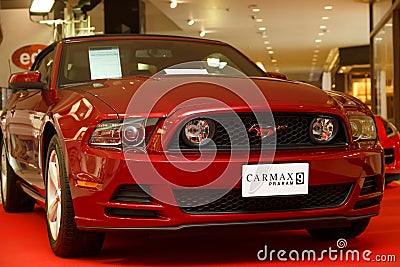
x: 322, y: 27
x: 259, y: 20
x: 268, y: 47
x: 274, y: 60
x: 328, y: 7
x: 255, y: 9
x: 262, y: 28
x: 190, y: 22
x: 318, y: 41
x: 316, y: 51
x: 173, y: 4
x: 321, y: 34
x: 266, y: 42
x: 325, y: 18
x: 202, y: 33
x: 270, y: 52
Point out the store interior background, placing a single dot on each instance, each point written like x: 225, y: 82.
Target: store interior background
x: 346, y: 45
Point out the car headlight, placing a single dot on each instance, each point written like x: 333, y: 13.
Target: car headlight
x: 362, y: 128
x: 198, y: 132
x: 323, y: 129
x: 130, y: 132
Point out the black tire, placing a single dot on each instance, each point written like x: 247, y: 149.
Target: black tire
x: 356, y: 228
x: 64, y: 237
x: 14, y: 199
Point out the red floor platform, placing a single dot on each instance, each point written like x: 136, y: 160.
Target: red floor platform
x: 23, y: 242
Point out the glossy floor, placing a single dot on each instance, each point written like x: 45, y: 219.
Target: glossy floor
x: 23, y: 242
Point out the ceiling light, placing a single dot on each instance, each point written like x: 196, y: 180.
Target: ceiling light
x: 325, y: 18
x: 41, y: 7
x: 259, y: 20
x: 202, y: 33
x: 268, y: 47
x: 266, y: 42
x: 328, y: 7
x: 321, y: 34
x: 190, y: 22
x: 270, y: 52
x: 316, y: 51
x: 255, y: 9
x: 173, y: 4
x: 322, y: 27
x: 262, y: 28
x: 274, y: 60
x: 318, y: 41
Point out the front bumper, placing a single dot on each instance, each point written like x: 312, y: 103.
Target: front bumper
x: 100, y: 209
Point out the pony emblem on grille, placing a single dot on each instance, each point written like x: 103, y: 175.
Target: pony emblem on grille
x: 265, y: 131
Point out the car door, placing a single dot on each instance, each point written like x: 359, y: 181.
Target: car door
x: 24, y: 118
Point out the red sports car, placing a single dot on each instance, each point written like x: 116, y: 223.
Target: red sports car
x: 155, y: 132
x: 390, y: 140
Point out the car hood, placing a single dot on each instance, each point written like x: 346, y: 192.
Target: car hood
x: 160, y: 97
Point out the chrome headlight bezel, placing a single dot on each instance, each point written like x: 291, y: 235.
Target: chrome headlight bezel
x: 363, y: 128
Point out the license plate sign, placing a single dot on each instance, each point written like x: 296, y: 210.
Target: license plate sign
x: 275, y: 179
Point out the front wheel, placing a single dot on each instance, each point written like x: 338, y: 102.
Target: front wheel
x: 14, y: 199
x: 64, y: 237
x: 356, y: 228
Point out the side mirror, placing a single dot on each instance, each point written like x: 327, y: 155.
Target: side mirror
x: 25, y: 80
x: 276, y: 75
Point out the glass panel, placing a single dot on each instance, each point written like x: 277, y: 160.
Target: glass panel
x: 379, y: 9
x: 361, y: 88
x: 383, y: 70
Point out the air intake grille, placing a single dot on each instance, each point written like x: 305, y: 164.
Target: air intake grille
x: 130, y: 193
x: 369, y: 186
x: 389, y: 156
x: 326, y: 196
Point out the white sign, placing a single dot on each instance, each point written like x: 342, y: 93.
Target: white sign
x: 275, y: 179
x: 104, y: 63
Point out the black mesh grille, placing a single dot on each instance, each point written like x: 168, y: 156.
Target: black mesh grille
x: 389, y: 156
x: 292, y: 131
x: 325, y: 196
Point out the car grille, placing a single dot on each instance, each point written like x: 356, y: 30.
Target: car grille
x: 295, y: 134
x: 326, y: 196
x: 389, y: 156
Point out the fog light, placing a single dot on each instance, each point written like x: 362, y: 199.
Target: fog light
x: 323, y: 129
x: 198, y: 132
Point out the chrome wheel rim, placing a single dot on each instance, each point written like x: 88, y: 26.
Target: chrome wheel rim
x: 4, y: 173
x: 53, y: 195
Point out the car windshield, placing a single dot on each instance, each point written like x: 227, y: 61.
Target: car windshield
x: 103, y: 59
